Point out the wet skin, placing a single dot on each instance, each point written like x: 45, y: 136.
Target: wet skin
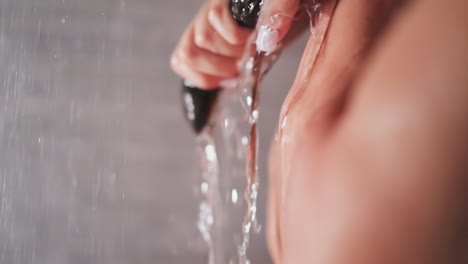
x: 372, y: 163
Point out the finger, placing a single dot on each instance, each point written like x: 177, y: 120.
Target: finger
x: 210, y: 63
x: 221, y: 19
x: 274, y: 22
x: 202, y: 60
x: 206, y: 37
x: 198, y: 79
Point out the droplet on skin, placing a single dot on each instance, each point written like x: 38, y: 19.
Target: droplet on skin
x: 282, y: 136
x: 283, y: 124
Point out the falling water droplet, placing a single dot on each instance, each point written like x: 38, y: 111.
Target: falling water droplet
x: 245, y: 140
x: 234, y: 196
x: 204, y: 187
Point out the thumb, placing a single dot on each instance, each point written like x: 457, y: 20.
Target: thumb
x: 276, y: 17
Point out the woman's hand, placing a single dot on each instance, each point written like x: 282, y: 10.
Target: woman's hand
x: 211, y: 46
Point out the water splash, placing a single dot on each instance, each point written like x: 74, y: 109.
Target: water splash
x: 235, y: 124
x: 251, y: 80
x: 209, y: 189
x: 239, y: 135
x: 232, y: 133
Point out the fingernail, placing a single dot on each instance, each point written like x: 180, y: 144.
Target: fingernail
x: 230, y: 83
x: 267, y: 39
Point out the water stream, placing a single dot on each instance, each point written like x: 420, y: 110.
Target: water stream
x: 233, y: 133
x: 209, y: 188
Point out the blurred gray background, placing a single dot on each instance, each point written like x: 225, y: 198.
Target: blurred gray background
x: 95, y: 157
